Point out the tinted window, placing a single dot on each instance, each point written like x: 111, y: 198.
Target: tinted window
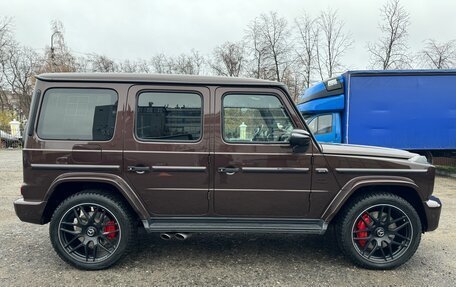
x: 78, y: 114
x: 255, y: 118
x: 321, y: 124
x: 169, y: 116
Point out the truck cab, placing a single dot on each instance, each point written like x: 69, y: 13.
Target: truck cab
x: 322, y: 107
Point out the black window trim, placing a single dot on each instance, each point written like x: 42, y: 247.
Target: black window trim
x: 222, y: 118
x: 74, y: 140
x: 170, y: 91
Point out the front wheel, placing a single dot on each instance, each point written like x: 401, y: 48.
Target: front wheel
x: 92, y: 230
x: 379, y: 231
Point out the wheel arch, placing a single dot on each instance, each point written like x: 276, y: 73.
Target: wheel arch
x: 69, y: 184
x: 403, y: 187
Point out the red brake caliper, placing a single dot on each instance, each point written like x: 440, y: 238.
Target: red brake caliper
x: 362, y: 226
x: 110, y: 227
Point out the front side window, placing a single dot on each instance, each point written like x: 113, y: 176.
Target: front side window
x: 78, y: 114
x: 321, y: 124
x: 169, y: 116
x: 255, y: 118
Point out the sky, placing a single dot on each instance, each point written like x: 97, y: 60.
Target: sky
x: 135, y: 29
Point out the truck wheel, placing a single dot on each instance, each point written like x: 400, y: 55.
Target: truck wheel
x: 379, y: 231
x: 92, y: 230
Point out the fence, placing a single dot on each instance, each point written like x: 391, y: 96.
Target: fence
x: 9, y: 141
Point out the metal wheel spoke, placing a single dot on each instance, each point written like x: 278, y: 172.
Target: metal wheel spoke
x: 94, y: 214
x: 86, y: 215
x: 373, y: 218
x: 75, y: 248
x: 77, y: 215
x: 95, y: 250
x: 366, y: 246
x: 398, y: 219
x: 104, y: 248
x: 402, y: 236
x: 86, y: 251
x: 361, y: 238
x: 70, y: 223
x: 71, y: 241
x: 400, y: 244
x: 388, y: 218
x: 361, y: 230
x: 73, y: 232
x: 380, y: 214
x: 373, y: 250
x: 383, y: 252
x: 365, y: 222
x: 401, y: 226
x: 390, y: 248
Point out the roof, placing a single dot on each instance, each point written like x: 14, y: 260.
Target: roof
x: 153, y: 78
x: 401, y: 72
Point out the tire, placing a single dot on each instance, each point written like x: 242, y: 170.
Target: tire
x: 379, y: 231
x: 92, y: 230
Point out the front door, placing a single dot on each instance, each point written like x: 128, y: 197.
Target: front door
x: 167, y: 148
x: 258, y: 174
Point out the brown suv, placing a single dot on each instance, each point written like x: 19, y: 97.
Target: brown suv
x: 106, y: 153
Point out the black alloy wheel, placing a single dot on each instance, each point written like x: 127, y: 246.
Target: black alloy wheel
x: 92, y: 230
x: 379, y: 230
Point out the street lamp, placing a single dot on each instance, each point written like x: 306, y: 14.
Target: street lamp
x: 52, y: 49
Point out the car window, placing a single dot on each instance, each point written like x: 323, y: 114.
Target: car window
x: 77, y: 114
x: 321, y: 124
x: 169, y: 116
x: 255, y: 118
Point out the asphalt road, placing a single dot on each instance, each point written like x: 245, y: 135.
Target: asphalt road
x: 27, y: 258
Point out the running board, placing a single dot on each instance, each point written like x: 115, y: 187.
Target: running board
x: 227, y: 224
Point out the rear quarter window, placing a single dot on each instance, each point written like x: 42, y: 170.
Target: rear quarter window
x: 77, y: 114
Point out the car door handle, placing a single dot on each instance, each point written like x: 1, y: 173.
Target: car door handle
x: 229, y: 170
x: 138, y: 169
x: 321, y: 170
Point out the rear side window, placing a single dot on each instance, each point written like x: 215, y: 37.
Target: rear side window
x: 169, y: 116
x: 78, y: 114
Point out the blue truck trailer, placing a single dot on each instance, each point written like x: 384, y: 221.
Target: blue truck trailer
x: 413, y: 110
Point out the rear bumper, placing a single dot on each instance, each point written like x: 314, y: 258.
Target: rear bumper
x: 29, y: 211
x: 432, y: 207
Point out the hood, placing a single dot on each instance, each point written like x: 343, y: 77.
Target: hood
x: 360, y: 150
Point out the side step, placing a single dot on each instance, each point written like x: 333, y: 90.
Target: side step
x: 229, y: 224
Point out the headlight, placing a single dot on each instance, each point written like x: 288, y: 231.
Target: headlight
x: 419, y: 159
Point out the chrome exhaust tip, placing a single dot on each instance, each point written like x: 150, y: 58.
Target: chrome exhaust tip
x: 182, y: 236
x: 166, y: 236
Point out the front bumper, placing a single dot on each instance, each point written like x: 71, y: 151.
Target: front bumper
x: 432, y: 208
x: 29, y: 211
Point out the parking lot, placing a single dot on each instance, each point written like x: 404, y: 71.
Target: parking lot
x: 27, y: 258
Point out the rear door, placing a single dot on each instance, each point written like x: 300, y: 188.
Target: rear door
x: 258, y: 174
x: 167, y: 148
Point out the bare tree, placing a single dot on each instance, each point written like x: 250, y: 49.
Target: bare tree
x: 257, y: 48
x: 101, y: 63
x: 439, y: 55
x: 269, y: 40
x: 19, y: 69
x: 191, y: 64
x: 390, y: 52
x: 139, y: 66
x: 5, y: 42
x: 333, y: 43
x: 161, y: 65
x: 228, y: 59
x: 59, y: 58
x: 307, y: 41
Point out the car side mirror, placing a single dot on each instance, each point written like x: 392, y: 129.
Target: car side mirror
x: 299, y: 140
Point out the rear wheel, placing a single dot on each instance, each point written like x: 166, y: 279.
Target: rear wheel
x: 379, y: 231
x: 92, y: 230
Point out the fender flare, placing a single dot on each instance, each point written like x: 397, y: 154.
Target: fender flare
x: 362, y: 181
x: 114, y: 180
